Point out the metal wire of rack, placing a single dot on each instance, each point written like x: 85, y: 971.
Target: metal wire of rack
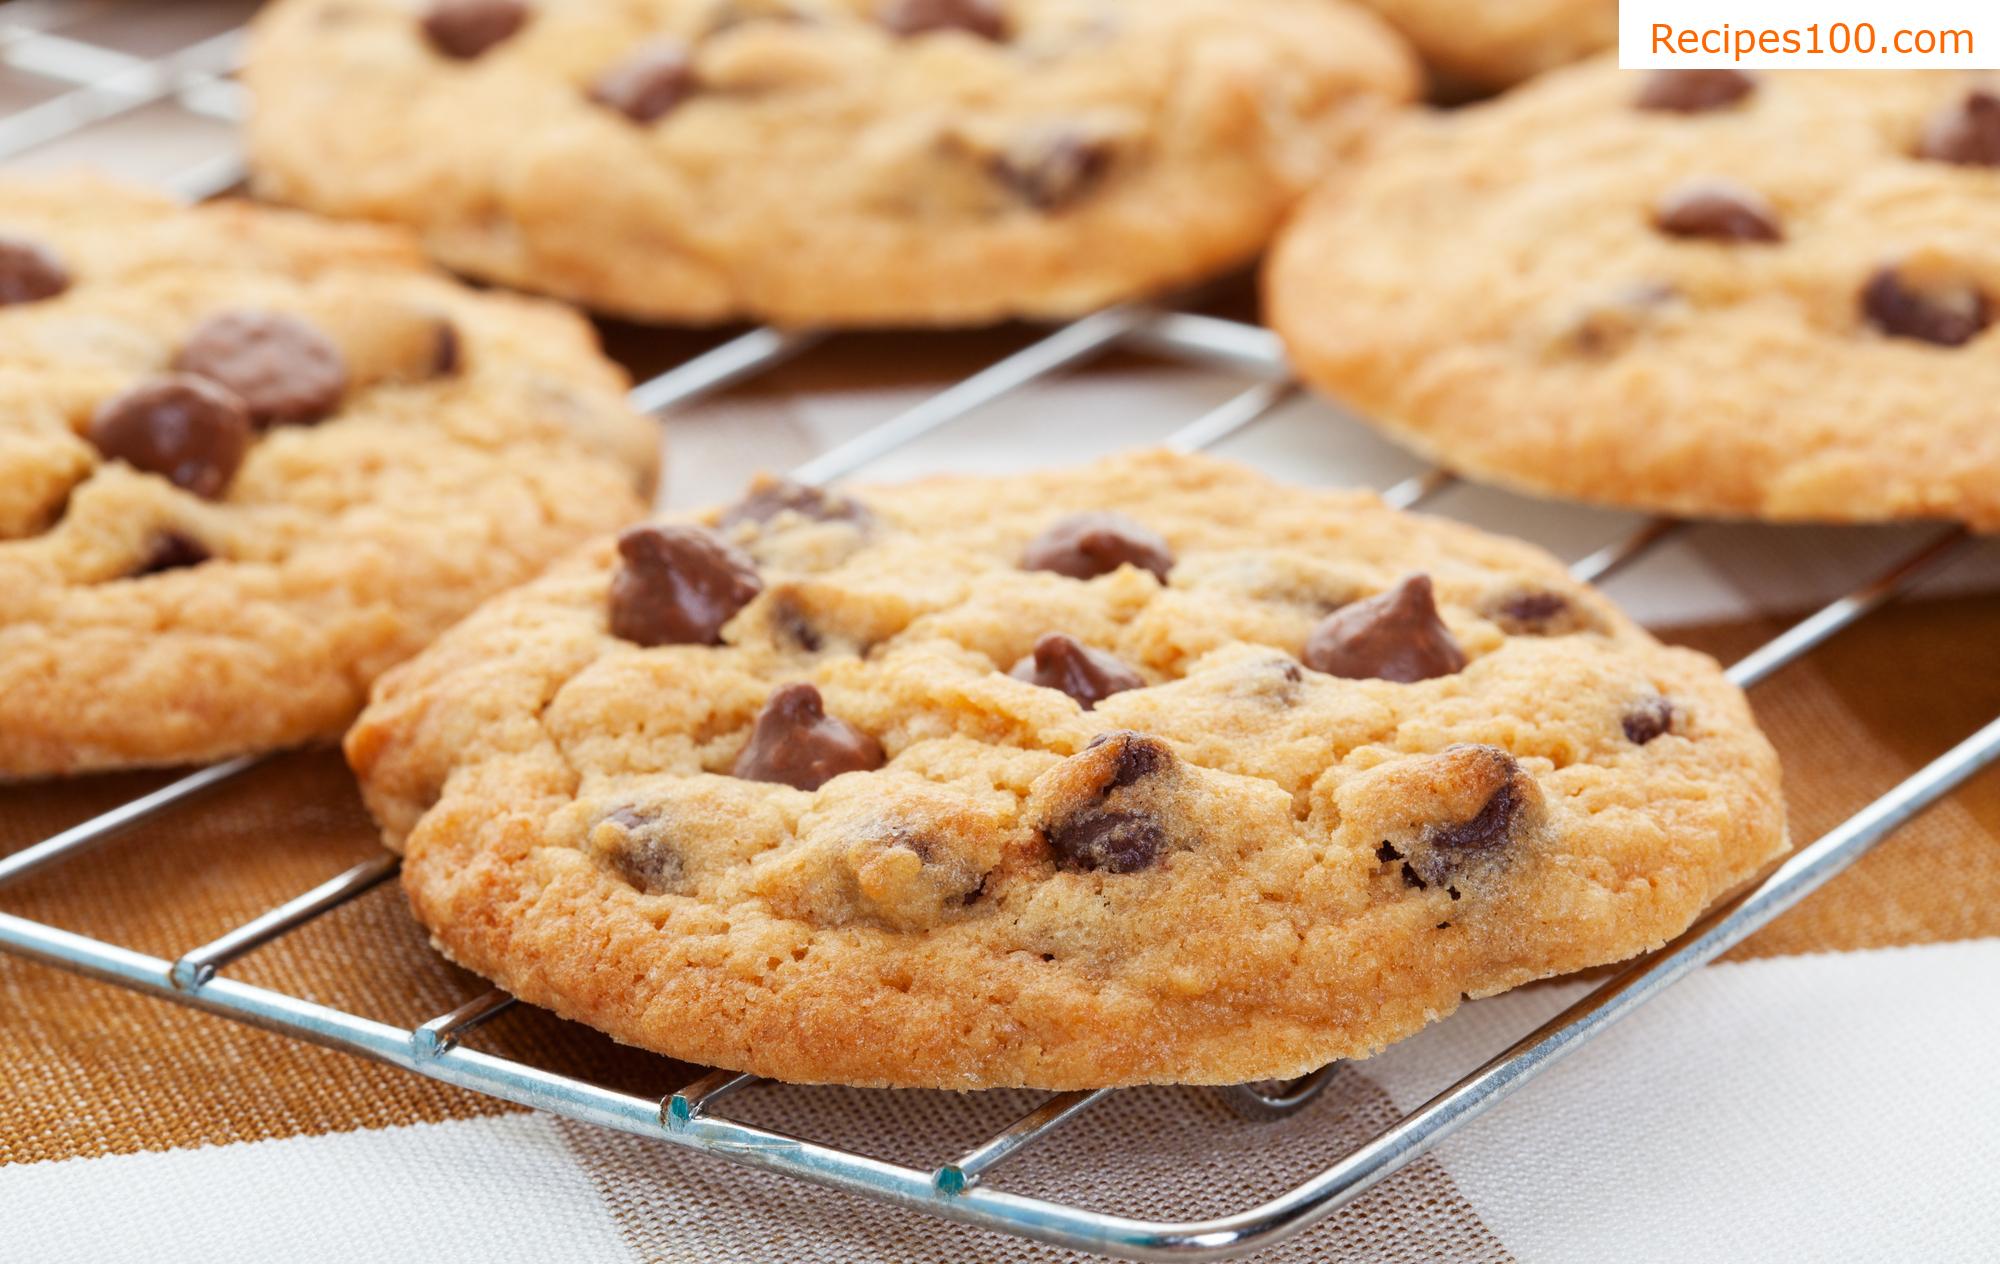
x: 104, y: 83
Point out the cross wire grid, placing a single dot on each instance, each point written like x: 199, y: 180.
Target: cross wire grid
x: 102, y: 84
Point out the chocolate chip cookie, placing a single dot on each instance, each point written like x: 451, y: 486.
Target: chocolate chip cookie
x: 820, y: 161
x: 1705, y: 292
x: 1144, y: 771
x: 249, y: 459
x: 1482, y: 45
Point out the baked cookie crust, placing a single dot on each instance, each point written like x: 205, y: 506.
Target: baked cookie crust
x: 825, y: 161
x: 1480, y: 44
x: 1718, y: 295
x: 881, y: 826
x: 249, y: 459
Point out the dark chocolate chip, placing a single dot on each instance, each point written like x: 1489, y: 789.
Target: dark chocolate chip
x: 1647, y: 720
x: 1086, y: 545
x: 1087, y: 675
x: 1489, y: 828
x: 777, y: 496
x: 1387, y: 852
x: 29, y: 272
x: 1694, y: 91
x: 448, y: 351
x: 463, y: 29
x: 1109, y: 842
x: 644, y: 858
x: 1410, y: 878
x: 1533, y: 613
x: 1396, y: 635
x: 797, y: 743
x: 1139, y: 755
x: 285, y: 371
x: 1967, y: 133
x: 648, y: 83
x: 1716, y: 210
x: 984, y: 18
x: 171, y: 551
x: 186, y: 429
x: 1948, y: 317
x: 678, y: 585
x: 1055, y: 172
x: 792, y: 625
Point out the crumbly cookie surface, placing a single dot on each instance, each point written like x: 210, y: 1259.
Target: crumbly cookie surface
x: 1478, y: 44
x: 249, y: 459
x: 965, y: 783
x: 1712, y: 294
x: 820, y: 161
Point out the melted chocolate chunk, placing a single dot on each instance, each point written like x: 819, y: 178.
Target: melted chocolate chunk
x: 1947, y: 317
x: 1108, y: 842
x: 1087, y: 675
x: 186, y: 429
x: 984, y: 18
x: 1716, y: 210
x: 1967, y: 134
x: 1396, y: 636
x: 29, y: 272
x: 643, y: 857
x: 1139, y: 755
x: 447, y: 351
x: 649, y: 83
x: 1446, y: 847
x: 463, y: 29
x: 1490, y: 828
x: 171, y: 551
x: 1647, y: 720
x: 774, y: 497
x: 1532, y: 613
x: 1694, y: 91
x: 1086, y: 545
x: 797, y: 743
x: 678, y: 585
x: 285, y: 371
x: 1058, y: 172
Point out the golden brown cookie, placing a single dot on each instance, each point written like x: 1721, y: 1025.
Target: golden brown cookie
x: 1706, y: 293
x: 1149, y: 770
x: 1487, y: 44
x: 820, y: 161
x: 249, y: 459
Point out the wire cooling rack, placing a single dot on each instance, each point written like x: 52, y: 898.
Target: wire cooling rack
x: 100, y: 84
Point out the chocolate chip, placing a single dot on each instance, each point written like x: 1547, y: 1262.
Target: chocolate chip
x: 1108, y: 842
x: 29, y: 272
x: 464, y: 29
x: 1387, y: 852
x: 1488, y: 829
x: 642, y: 854
x: 1087, y: 675
x: 677, y: 585
x: 1535, y: 613
x: 1967, y: 133
x: 1949, y: 317
x: 1647, y: 720
x: 1396, y: 635
x: 1410, y: 878
x: 649, y: 83
x: 796, y: 743
x: 984, y: 18
x: 186, y: 429
x: 794, y: 626
x: 774, y: 497
x: 285, y: 371
x: 1086, y: 545
x: 447, y: 350
x: 1055, y: 171
x: 1717, y: 210
x: 171, y: 551
x: 1138, y: 756
x: 1694, y: 91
